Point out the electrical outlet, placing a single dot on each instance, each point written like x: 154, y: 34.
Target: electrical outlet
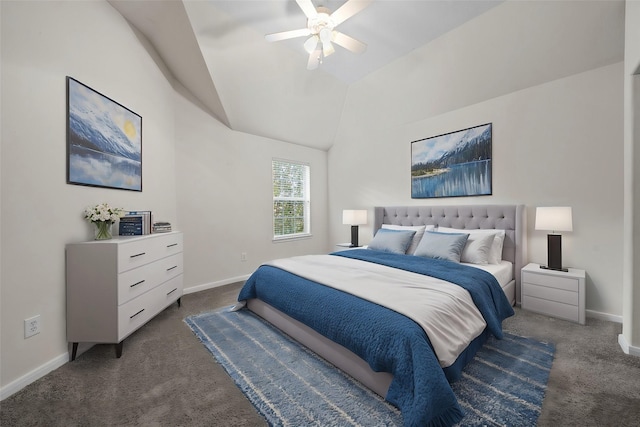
x: 243, y: 256
x: 31, y: 326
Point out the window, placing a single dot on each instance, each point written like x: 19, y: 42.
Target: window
x: 291, y: 214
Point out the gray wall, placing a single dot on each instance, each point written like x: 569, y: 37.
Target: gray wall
x: 225, y: 198
x: 630, y: 338
x: 42, y: 42
x: 557, y: 113
x: 208, y: 181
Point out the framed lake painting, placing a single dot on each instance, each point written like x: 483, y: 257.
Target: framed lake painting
x: 452, y: 165
x: 104, y: 140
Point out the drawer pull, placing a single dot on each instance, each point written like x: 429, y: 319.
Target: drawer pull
x: 136, y: 284
x: 136, y: 255
x: 173, y: 244
x: 169, y: 269
x: 131, y: 317
x: 172, y: 291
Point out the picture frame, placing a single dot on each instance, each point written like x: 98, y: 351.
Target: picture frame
x: 104, y: 140
x: 455, y: 164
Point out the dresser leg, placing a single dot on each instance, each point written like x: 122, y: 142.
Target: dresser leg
x: 74, y: 351
x: 119, y: 349
x: 179, y: 301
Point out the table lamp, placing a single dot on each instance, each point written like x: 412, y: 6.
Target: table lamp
x: 554, y: 219
x: 354, y: 218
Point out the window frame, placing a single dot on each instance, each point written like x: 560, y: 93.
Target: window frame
x: 305, y: 199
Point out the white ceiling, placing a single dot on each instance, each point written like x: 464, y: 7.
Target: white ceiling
x: 390, y: 28
x: 216, y: 49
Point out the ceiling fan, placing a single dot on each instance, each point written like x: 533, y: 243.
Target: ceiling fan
x: 321, y: 24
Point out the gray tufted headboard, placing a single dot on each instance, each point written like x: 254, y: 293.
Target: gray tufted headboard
x: 511, y: 218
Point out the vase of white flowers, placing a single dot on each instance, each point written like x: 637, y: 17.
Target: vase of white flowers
x: 103, y: 216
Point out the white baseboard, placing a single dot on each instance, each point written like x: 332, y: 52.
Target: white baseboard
x: 604, y: 316
x: 628, y: 349
x: 36, y: 374
x: 212, y: 285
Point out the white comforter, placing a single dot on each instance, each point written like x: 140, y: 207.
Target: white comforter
x: 445, y: 311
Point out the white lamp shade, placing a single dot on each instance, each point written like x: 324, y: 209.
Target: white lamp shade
x: 354, y: 217
x: 554, y: 218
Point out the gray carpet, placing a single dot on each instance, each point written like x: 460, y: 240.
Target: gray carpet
x: 167, y: 378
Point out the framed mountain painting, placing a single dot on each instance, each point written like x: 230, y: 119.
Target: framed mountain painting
x: 104, y: 140
x: 455, y: 164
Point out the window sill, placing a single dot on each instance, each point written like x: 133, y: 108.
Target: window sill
x: 280, y: 239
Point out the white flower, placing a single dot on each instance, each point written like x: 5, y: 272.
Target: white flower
x: 103, y: 213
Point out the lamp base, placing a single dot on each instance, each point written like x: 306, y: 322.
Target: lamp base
x: 566, y: 270
x: 354, y: 236
x: 554, y: 252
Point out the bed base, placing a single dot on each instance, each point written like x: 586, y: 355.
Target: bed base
x: 510, y: 291
x: 345, y: 359
x: 334, y: 353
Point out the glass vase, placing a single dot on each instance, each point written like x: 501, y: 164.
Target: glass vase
x: 103, y: 230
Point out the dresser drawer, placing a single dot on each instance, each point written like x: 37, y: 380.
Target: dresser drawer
x: 552, y: 308
x: 142, y: 251
x: 170, y: 292
x: 551, y: 294
x: 138, y: 311
x: 137, y: 281
x: 566, y: 283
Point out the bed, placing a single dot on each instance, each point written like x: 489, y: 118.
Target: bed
x: 391, y: 352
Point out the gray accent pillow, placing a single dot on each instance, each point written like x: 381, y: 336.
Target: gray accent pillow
x: 419, y: 229
x: 394, y: 241
x: 446, y: 246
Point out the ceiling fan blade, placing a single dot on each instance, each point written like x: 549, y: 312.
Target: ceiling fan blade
x: 287, y: 35
x: 349, y: 43
x: 308, y: 8
x: 314, y: 58
x: 347, y: 10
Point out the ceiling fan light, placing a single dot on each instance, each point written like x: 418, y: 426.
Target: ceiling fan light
x: 310, y: 44
x: 327, y: 49
x: 325, y: 35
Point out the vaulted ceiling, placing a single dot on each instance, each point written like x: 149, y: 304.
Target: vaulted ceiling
x: 216, y: 49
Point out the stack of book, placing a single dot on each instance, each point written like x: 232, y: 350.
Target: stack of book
x: 135, y: 223
x: 161, y: 227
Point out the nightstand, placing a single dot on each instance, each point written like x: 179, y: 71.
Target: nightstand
x: 555, y: 293
x: 347, y: 246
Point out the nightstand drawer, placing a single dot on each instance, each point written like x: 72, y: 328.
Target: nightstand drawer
x: 552, y: 308
x: 566, y: 283
x: 551, y: 294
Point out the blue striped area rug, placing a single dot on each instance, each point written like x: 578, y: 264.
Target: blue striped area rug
x: 503, y: 385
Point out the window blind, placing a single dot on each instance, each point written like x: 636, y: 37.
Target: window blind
x: 290, y: 198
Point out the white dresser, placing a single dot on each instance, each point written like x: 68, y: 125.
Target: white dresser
x: 555, y: 293
x: 116, y: 286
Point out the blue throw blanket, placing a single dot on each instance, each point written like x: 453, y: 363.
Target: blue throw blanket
x: 387, y: 340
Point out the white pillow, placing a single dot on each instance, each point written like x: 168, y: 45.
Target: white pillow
x: 477, y: 249
x: 495, y: 256
x: 419, y: 229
